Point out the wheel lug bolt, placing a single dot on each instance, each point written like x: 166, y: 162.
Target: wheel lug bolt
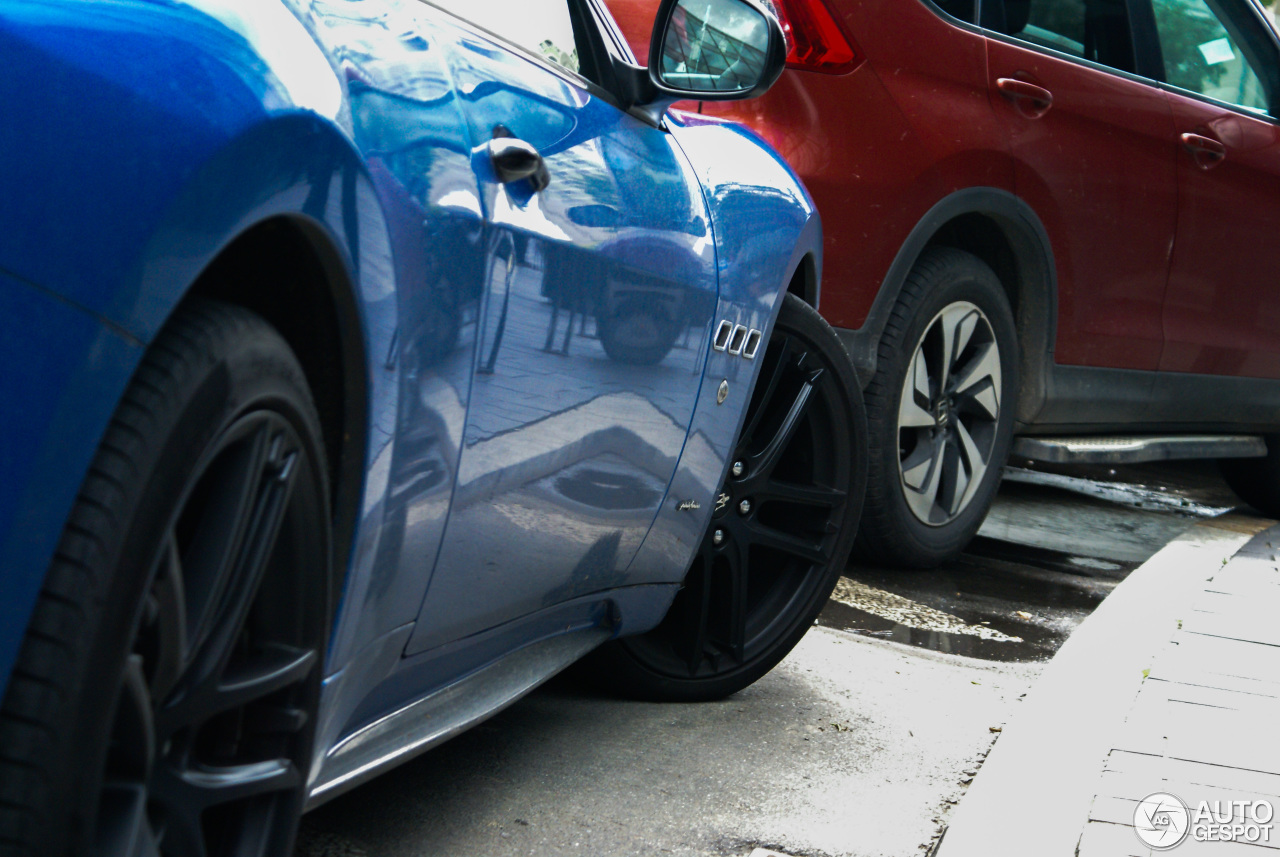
x: 717, y: 538
x: 744, y: 507
x: 738, y: 468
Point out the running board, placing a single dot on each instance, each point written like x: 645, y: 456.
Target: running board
x: 1136, y: 448
x: 420, y: 725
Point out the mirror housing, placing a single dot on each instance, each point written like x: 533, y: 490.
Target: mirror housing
x: 706, y: 50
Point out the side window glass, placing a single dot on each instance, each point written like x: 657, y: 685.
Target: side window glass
x: 1202, y: 56
x: 1096, y: 30
x: 542, y: 27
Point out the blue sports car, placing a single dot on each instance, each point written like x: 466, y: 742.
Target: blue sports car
x: 366, y: 362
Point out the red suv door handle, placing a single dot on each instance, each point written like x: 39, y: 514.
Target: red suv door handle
x: 1032, y: 101
x: 1205, y: 151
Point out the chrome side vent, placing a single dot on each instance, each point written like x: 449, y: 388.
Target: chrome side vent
x: 721, y: 341
x: 737, y: 339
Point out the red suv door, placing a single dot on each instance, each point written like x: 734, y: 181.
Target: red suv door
x: 1090, y: 142
x: 1222, y: 316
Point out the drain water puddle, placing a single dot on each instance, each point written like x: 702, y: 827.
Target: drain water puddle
x: 911, y: 614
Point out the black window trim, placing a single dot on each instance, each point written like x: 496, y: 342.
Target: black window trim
x: 1262, y: 30
x: 1148, y: 58
x: 983, y: 9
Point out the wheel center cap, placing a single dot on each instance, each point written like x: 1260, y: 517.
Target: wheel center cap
x: 944, y: 413
x: 723, y: 501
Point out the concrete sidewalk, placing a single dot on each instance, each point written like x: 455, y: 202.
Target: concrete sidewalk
x: 1172, y: 685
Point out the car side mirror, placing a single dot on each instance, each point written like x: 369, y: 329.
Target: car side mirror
x: 707, y: 50
x: 715, y: 49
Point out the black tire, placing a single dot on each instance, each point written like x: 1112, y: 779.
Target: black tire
x: 956, y: 461
x: 803, y: 478
x: 167, y: 685
x: 1256, y: 480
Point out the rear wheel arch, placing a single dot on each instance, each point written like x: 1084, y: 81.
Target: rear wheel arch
x: 1006, y: 234
x: 287, y: 270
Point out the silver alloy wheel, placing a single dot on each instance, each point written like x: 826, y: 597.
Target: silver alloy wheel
x: 948, y: 413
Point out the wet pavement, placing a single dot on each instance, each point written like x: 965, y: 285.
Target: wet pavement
x: 860, y: 743
x: 1057, y: 541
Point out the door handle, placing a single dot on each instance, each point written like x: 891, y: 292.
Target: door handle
x: 513, y: 159
x: 1205, y: 151
x: 1032, y: 101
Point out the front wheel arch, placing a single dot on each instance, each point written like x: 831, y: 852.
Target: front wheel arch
x: 1006, y: 234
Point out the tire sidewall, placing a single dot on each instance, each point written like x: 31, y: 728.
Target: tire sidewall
x: 208, y: 392
x: 961, y: 277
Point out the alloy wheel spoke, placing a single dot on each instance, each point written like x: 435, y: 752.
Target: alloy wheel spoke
x: 810, y: 550
x: 738, y: 568
x: 946, y: 329
x: 264, y: 518
x: 955, y: 481
x: 979, y: 380
x: 695, y: 630
x: 275, y: 669
x: 210, y: 786
x: 965, y: 322
x: 762, y: 463
x: 974, y: 461
x: 218, y: 539
x: 913, y: 411
x: 807, y: 495
x: 922, y: 476
x: 918, y: 467
x: 770, y: 377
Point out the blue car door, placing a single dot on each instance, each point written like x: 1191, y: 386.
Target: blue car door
x: 598, y: 294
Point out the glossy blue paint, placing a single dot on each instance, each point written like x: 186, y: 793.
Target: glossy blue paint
x: 536, y: 389
x: 61, y: 373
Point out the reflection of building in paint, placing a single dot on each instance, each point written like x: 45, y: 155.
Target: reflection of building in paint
x: 701, y: 57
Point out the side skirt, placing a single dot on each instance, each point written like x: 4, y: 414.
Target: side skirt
x: 423, y: 724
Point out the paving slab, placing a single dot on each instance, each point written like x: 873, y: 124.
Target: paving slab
x: 1171, y: 684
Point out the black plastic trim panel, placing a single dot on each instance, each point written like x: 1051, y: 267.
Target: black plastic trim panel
x: 1036, y: 289
x: 1085, y: 399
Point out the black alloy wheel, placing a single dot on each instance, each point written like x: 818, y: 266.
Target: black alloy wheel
x: 779, y: 534
x: 197, y: 561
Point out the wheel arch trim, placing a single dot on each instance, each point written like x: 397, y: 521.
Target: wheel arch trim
x: 1033, y: 294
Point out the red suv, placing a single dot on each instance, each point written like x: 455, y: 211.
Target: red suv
x: 1050, y: 224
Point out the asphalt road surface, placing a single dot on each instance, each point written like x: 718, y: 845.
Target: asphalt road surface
x: 859, y: 743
